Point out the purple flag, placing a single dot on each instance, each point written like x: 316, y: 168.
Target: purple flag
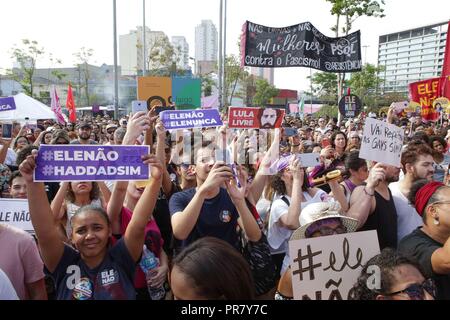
x: 186, y: 119
x: 7, y: 104
x: 56, y: 106
x: 91, y: 163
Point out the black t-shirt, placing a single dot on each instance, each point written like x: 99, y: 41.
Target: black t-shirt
x: 218, y: 217
x: 421, y: 247
x: 384, y: 221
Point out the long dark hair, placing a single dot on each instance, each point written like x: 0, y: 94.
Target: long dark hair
x: 94, y: 194
x: 216, y: 270
x: 280, y: 188
x: 353, y: 162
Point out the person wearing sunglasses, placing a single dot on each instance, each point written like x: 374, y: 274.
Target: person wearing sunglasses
x: 401, y: 278
x: 316, y: 220
x: 430, y: 244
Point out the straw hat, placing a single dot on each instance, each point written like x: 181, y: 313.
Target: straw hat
x: 320, y: 211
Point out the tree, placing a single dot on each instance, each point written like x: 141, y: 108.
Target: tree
x: 234, y: 74
x: 364, y: 83
x: 163, y: 58
x: 324, y: 85
x: 351, y: 10
x: 264, y: 92
x: 207, y: 84
x: 83, y: 56
x: 27, y: 58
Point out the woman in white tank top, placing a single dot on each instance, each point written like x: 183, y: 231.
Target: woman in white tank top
x: 72, y: 196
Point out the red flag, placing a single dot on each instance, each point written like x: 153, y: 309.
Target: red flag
x: 446, y: 67
x: 70, y: 103
x: 424, y: 93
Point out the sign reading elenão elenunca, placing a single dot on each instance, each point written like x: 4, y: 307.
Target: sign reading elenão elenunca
x: 300, y: 45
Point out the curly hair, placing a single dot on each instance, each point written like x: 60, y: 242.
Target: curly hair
x: 387, y: 261
x: 279, y: 187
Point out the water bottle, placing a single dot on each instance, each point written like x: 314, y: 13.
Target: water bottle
x: 148, y: 264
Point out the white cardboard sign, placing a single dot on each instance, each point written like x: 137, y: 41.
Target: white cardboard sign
x: 15, y: 212
x: 326, y: 268
x: 382, y: 142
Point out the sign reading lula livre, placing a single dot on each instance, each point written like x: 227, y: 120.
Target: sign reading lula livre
x: 300, y: 45
x: 326, y: 268
x: 7, y: 104
x: 187, y: 119
x: 350, y: 106
x: 91, y: 163
x: 382, y: 142
x: 15, y: 212
x: 247, y: 118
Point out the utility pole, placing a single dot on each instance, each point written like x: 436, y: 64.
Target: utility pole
x: 225, y: 53
x: 116, y: 69
x: 144, y: 45
x: 220, y: 55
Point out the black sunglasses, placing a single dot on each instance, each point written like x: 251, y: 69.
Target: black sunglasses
x: 417, y: 291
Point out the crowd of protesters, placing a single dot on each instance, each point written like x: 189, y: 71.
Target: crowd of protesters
x: 220, y: 218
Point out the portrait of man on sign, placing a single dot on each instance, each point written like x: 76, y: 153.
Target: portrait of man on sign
x: 268, y: 118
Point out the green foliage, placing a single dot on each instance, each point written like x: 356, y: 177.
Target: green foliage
x: 353, y: 9
x: 26, y: 56
x: 207, y: 84
x: 82, y: 63
x: 264, y: 92
x: 327, y: 110
x: 364, y: 83
x: 162, y: 59
x: 234, y: 74
x: 324, y: 86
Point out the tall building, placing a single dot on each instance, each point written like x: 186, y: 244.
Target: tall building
x: 130, y: 49
x: 206, y: 46
x: 265, y: 73
x: 411, y: 55
x: 181, y: 48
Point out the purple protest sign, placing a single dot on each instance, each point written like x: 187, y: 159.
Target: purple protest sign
x: 186, y: 119
x: 7, y: 104
x: 91, y: 163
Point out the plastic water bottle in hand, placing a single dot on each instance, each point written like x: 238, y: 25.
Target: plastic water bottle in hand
x: 149, y: 262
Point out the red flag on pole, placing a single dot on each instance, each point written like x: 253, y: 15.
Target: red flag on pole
x: 70, y: 103
x: 446, y: 67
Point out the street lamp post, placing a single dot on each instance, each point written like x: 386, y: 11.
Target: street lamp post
x: 144, y: 45
x: 116, y: 69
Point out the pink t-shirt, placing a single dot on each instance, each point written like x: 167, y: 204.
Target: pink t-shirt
x: 20, y: 259
x: 153, y: 241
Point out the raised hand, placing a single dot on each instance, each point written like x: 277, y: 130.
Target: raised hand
x: 219, y: 174
x: 27, y: 167
x: 156, y: 168
x: 376, y: 175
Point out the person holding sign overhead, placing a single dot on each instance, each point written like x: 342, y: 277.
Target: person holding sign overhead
x: 373, y: 205
x: 95, y: 270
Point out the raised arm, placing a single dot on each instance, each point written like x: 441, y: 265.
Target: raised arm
x: 135, y: 234
x: 246, y: 219
x: 261, y: 177
x: 184, y: 221
x: 337, y: 191
x: 136, y: 125
x: 4, y: 150
x: 50, y: 244
x: 290, y: 220
x: 362, y: 200
x: 57, y: 205
x: 167, y: 185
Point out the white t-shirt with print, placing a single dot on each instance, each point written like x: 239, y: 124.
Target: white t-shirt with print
x: 278, y: 236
